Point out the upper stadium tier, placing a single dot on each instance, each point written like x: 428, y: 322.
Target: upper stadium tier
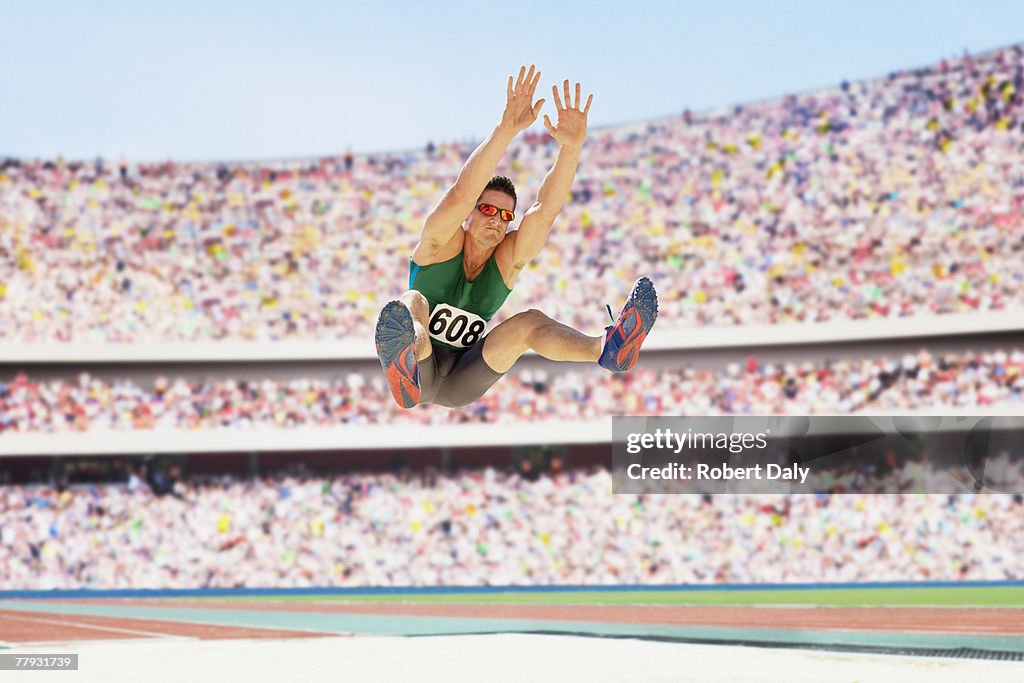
x: 896, y: 197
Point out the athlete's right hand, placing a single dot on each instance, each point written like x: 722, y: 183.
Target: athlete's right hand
x: 520, y: 110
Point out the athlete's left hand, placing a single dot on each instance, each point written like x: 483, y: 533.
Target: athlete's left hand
x: 571, y: 128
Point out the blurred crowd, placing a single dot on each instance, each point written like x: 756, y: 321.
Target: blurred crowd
x: 488, y: 527
x: 892, y: 197
x: 913, y: 381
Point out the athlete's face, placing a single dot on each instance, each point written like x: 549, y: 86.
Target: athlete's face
x: 490, y: 230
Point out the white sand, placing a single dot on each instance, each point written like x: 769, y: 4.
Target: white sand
x: 505, y: 657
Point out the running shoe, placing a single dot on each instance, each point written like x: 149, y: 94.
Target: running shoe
x: 396, y: 348
x: 623, y: 339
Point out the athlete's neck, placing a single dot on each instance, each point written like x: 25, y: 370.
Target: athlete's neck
x: 474, y: 257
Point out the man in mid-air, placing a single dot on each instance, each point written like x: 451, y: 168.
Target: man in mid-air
x: 431, y: 342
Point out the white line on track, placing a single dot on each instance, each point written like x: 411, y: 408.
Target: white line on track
x: 112, y: 629
x: 76, y: 643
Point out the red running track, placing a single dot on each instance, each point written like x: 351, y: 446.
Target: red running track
x: 38, y: 627
x: 931, y: 620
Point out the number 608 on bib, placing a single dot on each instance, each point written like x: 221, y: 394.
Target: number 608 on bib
x: 455, y: 327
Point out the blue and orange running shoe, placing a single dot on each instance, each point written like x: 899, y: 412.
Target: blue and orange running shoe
x: 396, y: 348
x: 623, y: 339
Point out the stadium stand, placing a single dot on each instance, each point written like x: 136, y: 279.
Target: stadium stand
x: 487, y: 528
x: 901, y: 196
x: 893, y: 384
x: 897, y: 199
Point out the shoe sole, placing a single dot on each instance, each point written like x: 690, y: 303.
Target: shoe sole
x: 395, y: 339
x: 644, y: 299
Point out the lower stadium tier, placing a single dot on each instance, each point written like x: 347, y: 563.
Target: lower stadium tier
x: 486, y: 527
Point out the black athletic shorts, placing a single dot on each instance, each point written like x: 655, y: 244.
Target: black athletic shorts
x: 455, y: 377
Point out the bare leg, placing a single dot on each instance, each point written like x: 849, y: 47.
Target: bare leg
x: 420, y: 311
x: 534, y: 330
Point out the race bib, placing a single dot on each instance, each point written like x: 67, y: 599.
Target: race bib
x: 455, y: 327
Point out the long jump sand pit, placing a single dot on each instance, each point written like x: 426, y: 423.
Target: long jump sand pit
x: 497, y: 657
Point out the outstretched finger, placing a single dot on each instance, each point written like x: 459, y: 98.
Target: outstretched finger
x: 533, y: 84
x: 536, y: 108
x: 568, y: 99
x: 586, y: 109
x: 529, y: 74
x: 547, y: 124
x: 577, y: 105
x: 558, y: 100
x: 519, y: 81
x: 508, y: 90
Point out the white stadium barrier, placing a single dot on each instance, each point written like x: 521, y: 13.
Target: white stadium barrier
x: 350, y: 437
x: 662, y: 339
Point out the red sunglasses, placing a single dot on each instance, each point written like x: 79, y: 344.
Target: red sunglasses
x: 490, y: 210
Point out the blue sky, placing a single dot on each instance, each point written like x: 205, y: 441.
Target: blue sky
x: 210, y: 80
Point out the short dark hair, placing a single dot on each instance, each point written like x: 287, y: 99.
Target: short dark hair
x: 503, y: 184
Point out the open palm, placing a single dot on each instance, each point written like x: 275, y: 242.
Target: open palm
x: 520, y: 109
x: 571, y: 129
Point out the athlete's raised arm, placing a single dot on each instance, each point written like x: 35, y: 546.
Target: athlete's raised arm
x: 445, y: 219
x: 570, y: 131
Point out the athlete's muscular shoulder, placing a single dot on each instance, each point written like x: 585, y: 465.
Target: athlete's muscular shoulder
x: 427, y: 254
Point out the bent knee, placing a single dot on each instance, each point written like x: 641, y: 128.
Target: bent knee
x: 417, y: 305
x: 531, y: 319
x: 521, y: 326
